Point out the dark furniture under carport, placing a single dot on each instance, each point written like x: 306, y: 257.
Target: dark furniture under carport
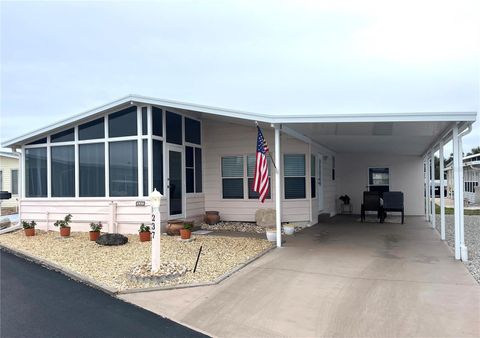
x: 371, y: 202
x: 393, y: 201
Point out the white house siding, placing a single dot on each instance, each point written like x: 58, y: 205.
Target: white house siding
x: 224, y: 139
x: 406, y: 175
x: 7, y: 164
x: 195, y: 207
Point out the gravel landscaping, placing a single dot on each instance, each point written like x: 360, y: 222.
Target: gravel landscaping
x: 111, y: 266
x: 248, y: 227
x: 472, y: 240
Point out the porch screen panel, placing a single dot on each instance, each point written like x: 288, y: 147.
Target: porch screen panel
x: 63, y: 136
x: 158, y: 165
x: 294, y: 176
x: 192, y: 131
x: 63, y: 171
x: 92, y: 169
x: 157, y: 121
x: 189, y: 170
x: 14, y: 182
x: 313, y: 185
x: 174, y: 128
x: 145, y: 167
x: 232, y: 177
x: 198, y: 170
x: 144, y: 121
x: 123, y: 123
x: 36, y: 172
x: 92, y: 130
x: 123, y: 168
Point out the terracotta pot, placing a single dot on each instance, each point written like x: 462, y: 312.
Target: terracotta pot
x: 144, y: 236
x: 29, y: 232
x: 173, y: 227
x: 185, y: 233
x: 212, y: 217
x: 94, y: 235
x: 65, y: 232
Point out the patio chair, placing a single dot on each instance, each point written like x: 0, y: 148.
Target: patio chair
x: 371, y: 202
x: 393, y: 201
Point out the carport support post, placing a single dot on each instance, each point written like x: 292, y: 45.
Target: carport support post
x: 442, y: 193
x: 457, y: 189
x: 432, y: 189
x: 425, y: 183
x: 278, y: 194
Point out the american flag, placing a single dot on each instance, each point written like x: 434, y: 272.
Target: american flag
x: 261, y: 183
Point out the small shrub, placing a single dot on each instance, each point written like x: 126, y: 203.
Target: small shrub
x: 63, y: 223
x: 28, y: 225
x: 188, y: 226
x: 144, y: 228
x: 96, y: 226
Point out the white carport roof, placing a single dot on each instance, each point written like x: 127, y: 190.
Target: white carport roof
x: 400, y: 132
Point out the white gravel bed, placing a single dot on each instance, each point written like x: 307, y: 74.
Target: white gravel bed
x: 110, y: 265
x: 249, y: 227
x: 472, y: 240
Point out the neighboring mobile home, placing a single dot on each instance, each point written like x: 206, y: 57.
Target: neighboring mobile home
x: 101, y: 165
x: 9, y: 178
x: 471, y: 179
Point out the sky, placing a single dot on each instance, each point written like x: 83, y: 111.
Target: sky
x: 273, y: 57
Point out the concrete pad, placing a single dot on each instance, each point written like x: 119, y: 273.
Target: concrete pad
x: 342, y: 278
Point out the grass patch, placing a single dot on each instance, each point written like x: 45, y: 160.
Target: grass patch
x: 449, y: 211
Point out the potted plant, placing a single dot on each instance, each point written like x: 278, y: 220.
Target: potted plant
x: 144, y: 233
x: 289, y: 229
x: 271, y: 234
x: 63, y: 224
x: 186, y: 232
x: 95, y: 230
x: 212, y: 217
x: 29, y: 228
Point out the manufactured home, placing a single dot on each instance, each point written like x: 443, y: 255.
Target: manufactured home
x: 9, y: 178
x: 471, y: 179
x: 102, y: 164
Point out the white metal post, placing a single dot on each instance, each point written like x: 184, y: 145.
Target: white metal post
x: 425, y: 183
x: 278, y: 194
x: 432, y: 188
x: 442, y: 193
x: 155, y: 198
x: 463, y: 247
x: 427, y: 186
x: 456, y: 190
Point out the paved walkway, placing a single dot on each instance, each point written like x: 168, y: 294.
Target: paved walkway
x: 342, y: 279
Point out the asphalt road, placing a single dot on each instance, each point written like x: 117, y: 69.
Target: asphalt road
x: 37, y: 302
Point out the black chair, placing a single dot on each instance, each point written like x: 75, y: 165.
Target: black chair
x: 371, y: 202
x: 393, y: 201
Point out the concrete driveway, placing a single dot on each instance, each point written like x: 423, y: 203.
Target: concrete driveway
x: 341, y: 279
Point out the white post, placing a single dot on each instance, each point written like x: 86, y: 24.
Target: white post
x: 463, y: 247
x: 432, y: 188
x: 155, y: 197
x: 278, y: 194
x: 442, y: 193
x: 427, y: 187
x: 425, y: 183
x: 457, y: 187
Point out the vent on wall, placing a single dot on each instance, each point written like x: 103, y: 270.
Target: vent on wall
x: 382, y: 128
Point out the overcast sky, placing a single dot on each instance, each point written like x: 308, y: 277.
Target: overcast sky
x: 305, y: 57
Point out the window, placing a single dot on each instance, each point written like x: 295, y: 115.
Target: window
x: 92, y: 170
x: 313, y: 185
x: 232, y: 177
x: 378, y: 179
x: 39, y: 141
x: 36, y: 172
x: 123, y: 123
x: 192, y: 131
x: 294, y: 176
x: 63, y: 171
x: 63, y: 136
x: 145, y: 167
x: 92, y: 130
x: 144, y: 121
x: 470, y: 186
x: 157, y: 165
x: 14, y: 174
x: 174, y: 128
x: 250, y: 175
x: 157, y: 122
x: 123, y: 168
x: 193, y: 169
x: 1, y: 180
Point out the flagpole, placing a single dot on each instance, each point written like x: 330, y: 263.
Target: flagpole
x: 271, y: 158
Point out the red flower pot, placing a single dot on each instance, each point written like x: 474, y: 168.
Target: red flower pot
x: 65, y: 232
x: 94, y: 235
x: 185, y: 233
x: 144, y: 236
x: 30, y: 232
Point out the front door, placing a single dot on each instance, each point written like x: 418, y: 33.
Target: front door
x: 175, y: 182
x: 320, y: 183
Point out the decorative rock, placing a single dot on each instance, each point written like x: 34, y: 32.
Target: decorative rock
x: 5, y: 223
x: 167, y: 271
x: 265, y: 217
x: 112, y: 239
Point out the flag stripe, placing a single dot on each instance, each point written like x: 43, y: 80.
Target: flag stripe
x: 261, y: 183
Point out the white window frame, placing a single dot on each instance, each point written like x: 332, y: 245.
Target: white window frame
x: 378, y: 167
x: 305, y: 177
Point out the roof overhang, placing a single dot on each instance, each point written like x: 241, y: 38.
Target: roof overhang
x: 274, y: 119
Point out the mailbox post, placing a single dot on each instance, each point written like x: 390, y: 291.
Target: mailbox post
x: 155, y: 197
